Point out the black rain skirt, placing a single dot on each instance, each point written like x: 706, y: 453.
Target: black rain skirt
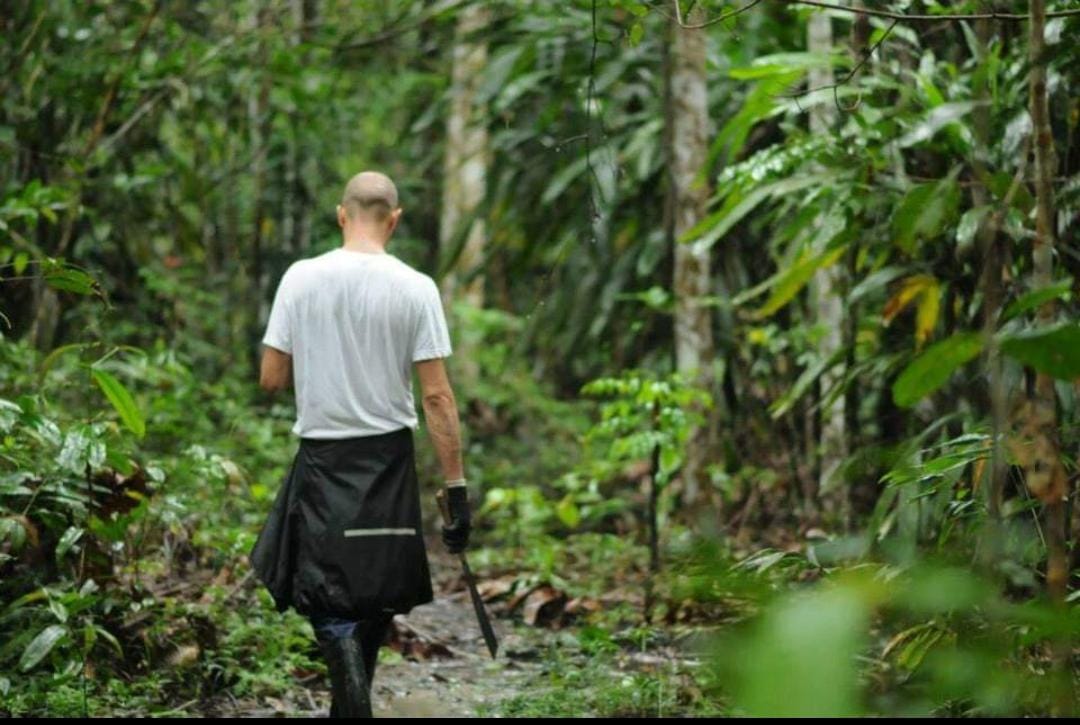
x: 344, y: 536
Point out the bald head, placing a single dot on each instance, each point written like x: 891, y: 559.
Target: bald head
x: 370, y: 194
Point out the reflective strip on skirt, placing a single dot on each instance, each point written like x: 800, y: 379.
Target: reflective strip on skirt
x: 378, y: 532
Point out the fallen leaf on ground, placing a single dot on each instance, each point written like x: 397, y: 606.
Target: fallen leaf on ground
x: 543, y: 603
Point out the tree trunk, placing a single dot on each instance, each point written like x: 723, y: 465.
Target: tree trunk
x: 990, y: 252
x: 306, y: 13
x: 687, y: 120
x: 826, y: 288
x: 1052, y: 489
x: 290, y: 180
x: 466, y: 161
x: 259, y: 129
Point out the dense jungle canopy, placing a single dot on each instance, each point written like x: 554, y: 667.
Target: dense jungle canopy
x: 766, y: 347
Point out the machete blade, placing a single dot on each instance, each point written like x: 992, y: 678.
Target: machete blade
x: 481, y: 613
x: 470, y: 580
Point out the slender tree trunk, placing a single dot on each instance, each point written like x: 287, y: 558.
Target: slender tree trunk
x: 826, y: 289
x: 990, y: 251
x: 259, y: 128
x: 466, y: 160
x: 288, y: 187
x: 295, y: 206
x: 654, y: 531
x: 1045, y: 401
x: 857, y: 492
x: 1047, y: 474
x: 688, y: 117
x: 1053, y: 491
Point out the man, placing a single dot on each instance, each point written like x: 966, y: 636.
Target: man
x: 343, y: 544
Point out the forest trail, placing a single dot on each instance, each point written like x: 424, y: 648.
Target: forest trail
x: 760, y: 323
x: 455, y: 679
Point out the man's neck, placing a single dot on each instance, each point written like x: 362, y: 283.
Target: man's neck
x: 361, y: 243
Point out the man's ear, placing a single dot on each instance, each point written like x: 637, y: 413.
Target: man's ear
x: 395, y: 216
x: 341, y: 216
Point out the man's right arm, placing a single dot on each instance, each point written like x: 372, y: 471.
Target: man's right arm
x: 440, y: 413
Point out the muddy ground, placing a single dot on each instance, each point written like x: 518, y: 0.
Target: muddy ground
x: 446, y: 671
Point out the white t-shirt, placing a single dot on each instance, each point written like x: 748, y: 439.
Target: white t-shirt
x: 354, y: 322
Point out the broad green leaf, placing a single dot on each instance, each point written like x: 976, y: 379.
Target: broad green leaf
x: 121, y: 399
x: 515, y: 89
x: 110, y: 638
x: 801, y: 658
x: 13, y: 533
x: 567, y: 511
x: 937, y: 119
x: 915, y: 651
x: 53, y: 356
x: 496, y: 72
x: 1051, y: 350
x: 73, y: 452
x: 561, y: 180
x: 71, y: 280
x: 25, y: 599
x: 930, y: 370
x: 41, y: 645
x: 969, y: 225
x: 715, y: 226
x: 782, y: 63
x: 794, y: 279
x: 762, y: 102
x: 669, y: 458
x: 908, y: 217
x: 1061, y: 289
x: 9, y: 415
x: 802, y: 384
x: 924, y: 212
x: 1001, y: 185
x: 875, y: 281
x: 68, y: 540
x: 59, y: 610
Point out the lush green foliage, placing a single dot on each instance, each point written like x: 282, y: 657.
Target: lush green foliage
x: 162, y: 163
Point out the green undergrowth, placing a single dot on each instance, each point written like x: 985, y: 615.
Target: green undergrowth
x: 590, y: 672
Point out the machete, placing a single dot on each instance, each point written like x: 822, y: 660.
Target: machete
x: 478, y: 603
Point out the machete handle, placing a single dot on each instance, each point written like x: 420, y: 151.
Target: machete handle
x: 444, y: 505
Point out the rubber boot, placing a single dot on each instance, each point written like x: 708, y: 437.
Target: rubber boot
x: 371, y: 634
x: 349, y: 691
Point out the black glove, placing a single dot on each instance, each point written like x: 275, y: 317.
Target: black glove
x: 456, y: 535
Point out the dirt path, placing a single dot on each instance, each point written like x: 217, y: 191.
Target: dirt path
x: 453, y: 686
x: 454, y: 682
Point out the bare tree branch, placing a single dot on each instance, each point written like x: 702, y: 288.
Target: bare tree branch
x: 889, y: 14
x: 713, y: 21
x: 850, y: 74
x: 1018, y: 17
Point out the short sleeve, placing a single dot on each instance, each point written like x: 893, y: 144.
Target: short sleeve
x: 432, y: 338
x: 278, y: 327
